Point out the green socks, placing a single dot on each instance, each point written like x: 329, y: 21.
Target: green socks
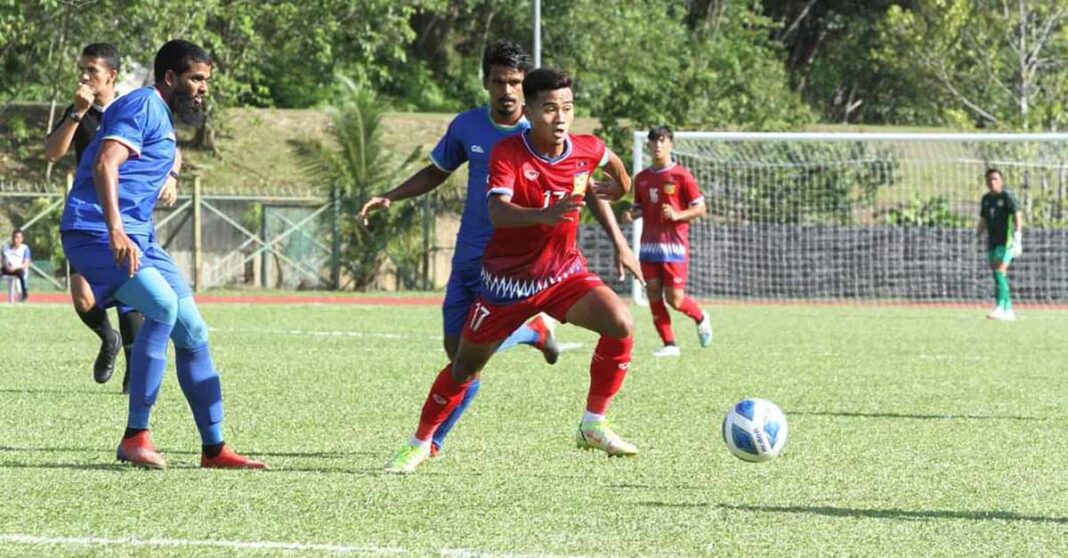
x: 1004, y: 299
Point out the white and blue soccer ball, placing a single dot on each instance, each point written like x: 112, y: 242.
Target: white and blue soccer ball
x: 755, y: 430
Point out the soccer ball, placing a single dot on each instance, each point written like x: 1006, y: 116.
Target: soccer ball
x: 755, y: 430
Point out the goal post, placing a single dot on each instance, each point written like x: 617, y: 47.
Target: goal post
x: 820, y: 216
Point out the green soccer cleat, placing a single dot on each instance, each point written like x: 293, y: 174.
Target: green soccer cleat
x: 598, y: 435
x: 704, y: 330
x: 408, y: 459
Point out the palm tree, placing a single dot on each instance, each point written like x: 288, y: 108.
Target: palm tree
x: 353, y: 171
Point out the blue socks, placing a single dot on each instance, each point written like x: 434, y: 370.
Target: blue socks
x: 439, y: 435
x: 525, y: 335
x: 166, y: 319
x: 200, y: 384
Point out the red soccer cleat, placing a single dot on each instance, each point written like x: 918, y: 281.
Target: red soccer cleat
x: 546, y: 339
x: 229, y: 459
x: 138, y: 450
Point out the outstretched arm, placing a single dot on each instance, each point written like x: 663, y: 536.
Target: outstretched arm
x: 625, y: 260
x: 427, y: 179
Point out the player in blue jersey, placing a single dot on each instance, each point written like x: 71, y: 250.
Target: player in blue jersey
x: 108, y: 234
x: 470, y: 138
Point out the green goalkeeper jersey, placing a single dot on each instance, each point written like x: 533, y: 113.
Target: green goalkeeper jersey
x: 999, y: 210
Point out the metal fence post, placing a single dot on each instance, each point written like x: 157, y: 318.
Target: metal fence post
x: 427, y: 222
x: 198, y: 239
x: 335, y: 238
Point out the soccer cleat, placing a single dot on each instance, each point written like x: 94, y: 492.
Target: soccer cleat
x: 598, y: 435
x: 704, y: 329
x: 546, y: 339
x: 408, y: 459
x: 229, y: 459
x: 138, y: 450
x: 105, y: 359
x: 1007, y: 316
x: 996, y: 314
x: 668, y: 351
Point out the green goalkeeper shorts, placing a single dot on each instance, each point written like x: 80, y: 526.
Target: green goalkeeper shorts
x: 999, y: 254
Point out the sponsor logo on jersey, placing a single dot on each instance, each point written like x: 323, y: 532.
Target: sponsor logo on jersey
x: 581, y: 179
x: 669, y: 189
x: 530, y: 174
x: 1001, y: 203
x: 477, y: 149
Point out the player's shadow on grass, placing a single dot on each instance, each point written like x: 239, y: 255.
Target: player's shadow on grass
x: 53, y: 391
x: 898, y: 514
x: 919, y: 416
x: 165, y: 451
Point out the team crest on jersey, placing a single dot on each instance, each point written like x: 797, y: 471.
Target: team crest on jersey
x: 669, y: 189
x: 1001, y: 203
x: 581, y: 179
x: 530, y: 174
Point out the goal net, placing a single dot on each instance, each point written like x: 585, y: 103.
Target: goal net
x: 872, y: 217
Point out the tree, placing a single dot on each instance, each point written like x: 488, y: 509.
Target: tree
x: 357, y: 168
x: 992, y: 63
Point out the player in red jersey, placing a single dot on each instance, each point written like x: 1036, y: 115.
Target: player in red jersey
x: 539, y: 182
x: 667, y: 197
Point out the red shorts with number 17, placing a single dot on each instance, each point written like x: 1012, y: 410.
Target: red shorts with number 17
x: 488, y: 322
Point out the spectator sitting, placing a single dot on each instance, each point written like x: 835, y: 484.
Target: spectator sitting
x: 16, y: 260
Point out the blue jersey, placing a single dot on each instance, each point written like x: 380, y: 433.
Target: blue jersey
x: 141, y: 121
x: 470, y: 138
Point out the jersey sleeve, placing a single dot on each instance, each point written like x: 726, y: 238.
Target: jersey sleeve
x: 26, y: 254
x: 1011, y: 204
x: 449, y: 153
x: 600, y: 152
x: 691, y: 193
x: 128, y: 124
x: 502, y: 172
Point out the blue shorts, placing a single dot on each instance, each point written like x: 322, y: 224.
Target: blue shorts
x: 90, y: 253
x: 460, y: 294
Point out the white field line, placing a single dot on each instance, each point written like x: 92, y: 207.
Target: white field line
x: 184, y: 543
x: 564, y: 347
x: 34, y: 540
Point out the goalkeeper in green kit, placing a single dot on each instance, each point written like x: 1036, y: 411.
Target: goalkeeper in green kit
x: 1002, y: 221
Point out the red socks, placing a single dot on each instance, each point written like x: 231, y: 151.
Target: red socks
x: 662, y: 321
x: 691, y: 309
x: 611, y: 359
x: 445, y: 395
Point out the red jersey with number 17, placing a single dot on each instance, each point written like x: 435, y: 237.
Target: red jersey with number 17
x: 521, y: 262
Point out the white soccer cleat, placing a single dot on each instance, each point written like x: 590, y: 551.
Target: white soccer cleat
x: 598, y: 435
x: 668, y: 351
x: 996, y: 314
x: 408, y: 459
x: 1008, y: 316
x: 704, y: 330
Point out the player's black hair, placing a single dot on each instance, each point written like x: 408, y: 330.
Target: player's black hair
x: 544, y: 79
x: 106, y: 51
x: 507, y: 54
x: 993, y: 170
x: 178, y: 56
x: 657, y: 132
